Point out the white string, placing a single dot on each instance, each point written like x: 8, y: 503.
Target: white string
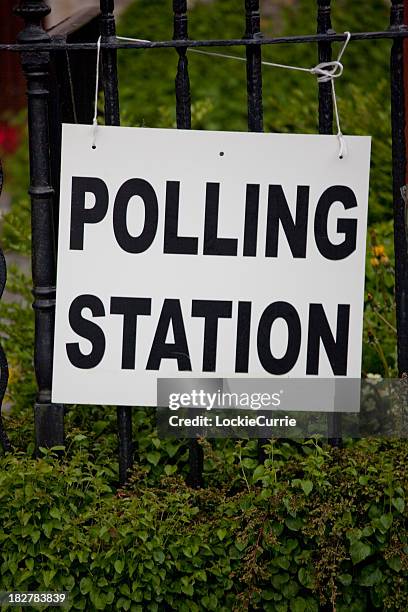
x: 132, y: 39
x: 325, y: 72
x: 98, y: 53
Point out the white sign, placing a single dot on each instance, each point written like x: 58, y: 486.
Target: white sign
x: 206, y: 254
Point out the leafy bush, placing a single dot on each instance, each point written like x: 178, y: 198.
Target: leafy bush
x: 313, y: 527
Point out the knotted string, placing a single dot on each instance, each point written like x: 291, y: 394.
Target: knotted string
x: 325, y: 72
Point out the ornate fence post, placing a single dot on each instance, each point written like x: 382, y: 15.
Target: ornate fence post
x: 254, y: 67
x: 183, y: 115
x: 399, y: 168
x: 109, y: 67
x: 324, y: 26
x: 182, y: 83
x: 112, y: 117
x: 4, y: 441
x: 254, y: 99
x: 49, y: 418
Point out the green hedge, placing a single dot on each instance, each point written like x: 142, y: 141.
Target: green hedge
x: 313, y: 529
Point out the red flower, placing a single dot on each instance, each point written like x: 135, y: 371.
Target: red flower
x: 9, y: 138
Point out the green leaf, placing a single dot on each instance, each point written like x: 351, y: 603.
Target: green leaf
x: 268, y: 595
x: 283, y: 562
x: 99, y: 426
x: 306, y: 577
x: 48, y: 575
x: 398, y: 503
x: 85, y: 585
x: 311, y: 605
x: 69, y: 583
x: 290, y: 589
x: 259, y: 471
x: 201, y: 575
x: 367, y: 531
x: 386, y: 521
x: 158, y: 556
x: 290, y: 545
x: 153, y: 457
x: 395, y: 563
x: 99, y: 600
x: 187, y: 587
x: 55, y: 513
x: 119, y: 565
x: 79, y: 438
x: 370, y: 576
x: 278, y: 580
x: 170, y: 469
x: 374, y: 511
x: 345, y: 579
x: 298, y: 604
x: 124, y: 590
x: 359, y: 551
x: 364, y: 480
x: 307, y: 486
x: 294, y: 524
x: 221, y: 533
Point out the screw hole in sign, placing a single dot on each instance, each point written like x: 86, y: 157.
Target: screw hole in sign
x: 221, y: 153
x: 94, y: 146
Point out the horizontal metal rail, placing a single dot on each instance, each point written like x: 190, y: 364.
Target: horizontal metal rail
x: 55, y: 45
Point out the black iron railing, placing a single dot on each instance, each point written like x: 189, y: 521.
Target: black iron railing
x: 60, y: 70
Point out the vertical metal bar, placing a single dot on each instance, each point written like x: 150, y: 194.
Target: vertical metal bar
x: 183, y: 116
x: 254, y: 67
x: 399, y: 169
x: 183, y: 97
x: 109, y: 65
x: 4, y: 373
x: 48, y: 417
x: 254, y: 98
x: 325, y: 55
x: 112, y: 117
x: 194, y: 477
x: 324, y: 26
x: 405, y: 52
